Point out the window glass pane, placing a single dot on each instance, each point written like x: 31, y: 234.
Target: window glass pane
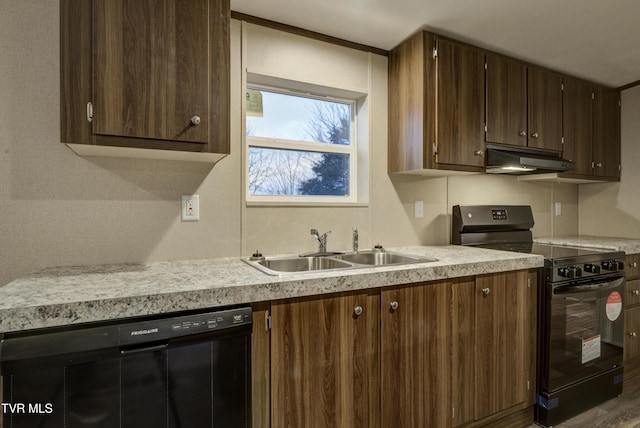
x: 294, y: 172
x: 294, y: 117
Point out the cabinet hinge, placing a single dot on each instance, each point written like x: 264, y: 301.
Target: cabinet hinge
x: 435, y: 149
x: 528, y: 385
x: 267, y: 321
x: 453, y: 412
x: 593, y: 95
x: 89, y: 112
x: 434, y: 54
x: 562, y: 140
x: 562, y: 87
x: 485, y: 65
x: 619, y: 103
x: 528, y: 282
x: 593, y: 164
x: 485, y: 127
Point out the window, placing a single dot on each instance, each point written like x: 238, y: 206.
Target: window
x: 300, y: 147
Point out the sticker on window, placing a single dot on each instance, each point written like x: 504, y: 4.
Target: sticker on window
x: 590, y: 349
x: 614, y: 306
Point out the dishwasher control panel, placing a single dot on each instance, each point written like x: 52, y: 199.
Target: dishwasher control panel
x: 166, y: 328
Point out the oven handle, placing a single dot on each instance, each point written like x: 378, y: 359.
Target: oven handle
x: 583, y: 288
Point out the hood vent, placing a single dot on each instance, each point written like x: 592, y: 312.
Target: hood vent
x: 521, y: 161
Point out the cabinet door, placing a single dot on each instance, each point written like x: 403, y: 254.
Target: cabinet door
x: 577, y: 120
x: 633, y: 292
x: 504, y: 348
x: 463, y: 319
x: 606, y: 132
x: 506, y: 101
x: 150, y: 69
x: 460, y: 105
x: 545, y: 109
x: 632, y: 266
x: 415, y: 356
x: 324, y: 362
x: 632, y: 333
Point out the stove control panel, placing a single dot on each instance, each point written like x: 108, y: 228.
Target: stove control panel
x: 589, y: 269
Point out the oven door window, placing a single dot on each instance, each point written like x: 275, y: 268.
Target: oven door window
x: 586, y: 331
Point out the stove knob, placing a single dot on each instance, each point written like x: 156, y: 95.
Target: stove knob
x: 591, y: 268
x: 570, y: 271
x: 611, y: 265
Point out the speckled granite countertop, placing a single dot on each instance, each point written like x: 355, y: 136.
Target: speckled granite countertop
x: 629, y: 246
x: 73, y: 295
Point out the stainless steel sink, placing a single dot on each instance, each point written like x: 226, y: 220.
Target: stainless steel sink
x: 359, y: 260
x: 380, y: 258
x: 302, y: 264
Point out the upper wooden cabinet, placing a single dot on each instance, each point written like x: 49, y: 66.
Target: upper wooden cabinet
x: 524, y: 105
x: 436, y: 105
x: 577, y: 127
x: 606, y: 133
x: 591, y: 129
x: 146, y: 75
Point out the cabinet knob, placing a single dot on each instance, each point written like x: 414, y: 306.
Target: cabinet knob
x: 535, y: 135
x: 393, y: 306
x: 479, y: 152
x: 522, y: 133
x: 632, y: 334
x: 599, y: 164
x: 357, y: 311
x: 195, y: 120
x: 486, y: 291
x: 634, y: 264
x: 635, y: 292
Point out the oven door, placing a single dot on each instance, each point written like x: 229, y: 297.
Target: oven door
x: 585, y: 330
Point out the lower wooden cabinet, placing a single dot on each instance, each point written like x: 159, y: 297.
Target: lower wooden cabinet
x: 440, y: 354
x: 631, y: 359
x: 415, y: 359
x: 324, y: 361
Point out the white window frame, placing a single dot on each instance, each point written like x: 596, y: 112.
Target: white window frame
x: 307, y: 146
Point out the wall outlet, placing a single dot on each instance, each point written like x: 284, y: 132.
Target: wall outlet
x: 558, y: 206
x: 418, y: 209
x: 190, y: 207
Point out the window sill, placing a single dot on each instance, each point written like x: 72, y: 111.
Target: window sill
x: 250, y: 204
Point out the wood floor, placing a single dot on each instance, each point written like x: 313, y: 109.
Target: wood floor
x: 620, y: 412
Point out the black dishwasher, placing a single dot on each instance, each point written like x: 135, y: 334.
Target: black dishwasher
x: 181, y: 370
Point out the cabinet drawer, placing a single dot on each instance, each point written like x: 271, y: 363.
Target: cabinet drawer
x: 633, y: 266
x: 633, y: 292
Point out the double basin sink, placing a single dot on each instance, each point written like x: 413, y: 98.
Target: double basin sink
x: 324, y: 262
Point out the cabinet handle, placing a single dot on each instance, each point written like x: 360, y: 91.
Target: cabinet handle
x: 535, y: 135
x: 522, y: 133
x: 599, y: 164
x: 632, y: 334
x: 635, y: 265
x: 479, y: 152
x: 393, y: 306
x: 357, y: 310
x: 635, y: 292
x: 195, y: 120
x: 486, y: 291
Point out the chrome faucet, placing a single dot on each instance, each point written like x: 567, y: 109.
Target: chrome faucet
x: 355, y: 239
x: 322, y: 240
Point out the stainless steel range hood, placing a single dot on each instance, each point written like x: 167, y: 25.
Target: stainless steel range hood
x: 521, y: 161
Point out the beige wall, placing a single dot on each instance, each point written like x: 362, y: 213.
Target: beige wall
x: 60, y: 209
x: 613, y: 209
